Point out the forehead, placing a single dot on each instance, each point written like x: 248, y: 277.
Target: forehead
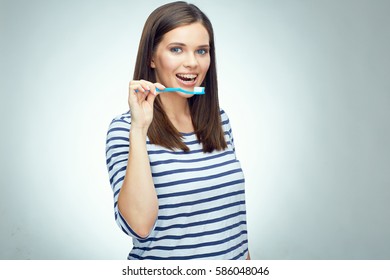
x: 191, y: 34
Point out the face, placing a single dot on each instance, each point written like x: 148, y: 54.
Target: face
x: 182, y: 58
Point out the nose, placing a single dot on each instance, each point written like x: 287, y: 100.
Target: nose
x: 190, y: 61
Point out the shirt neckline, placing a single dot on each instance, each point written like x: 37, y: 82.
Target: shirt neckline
x: 187, y: 133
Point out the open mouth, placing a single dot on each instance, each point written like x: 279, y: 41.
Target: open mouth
x: 187, y: 77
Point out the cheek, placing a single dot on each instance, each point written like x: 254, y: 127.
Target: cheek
x: 167, y: 63
x: 205, y: 65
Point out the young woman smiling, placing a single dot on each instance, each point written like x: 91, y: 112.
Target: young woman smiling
x: 178, y: 186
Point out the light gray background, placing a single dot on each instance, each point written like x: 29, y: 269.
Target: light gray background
x: 305, y: 83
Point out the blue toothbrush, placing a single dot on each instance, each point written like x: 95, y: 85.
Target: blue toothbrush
x: 197, y: 90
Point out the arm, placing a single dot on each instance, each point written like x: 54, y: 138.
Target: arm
x: 137, y: 200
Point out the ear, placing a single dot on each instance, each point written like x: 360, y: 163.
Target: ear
x: 152, y: 64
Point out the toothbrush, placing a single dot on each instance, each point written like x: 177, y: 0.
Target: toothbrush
x: 197, y: 90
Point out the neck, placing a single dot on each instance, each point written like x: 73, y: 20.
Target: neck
x: 178, y: 111
x: 175, y: 106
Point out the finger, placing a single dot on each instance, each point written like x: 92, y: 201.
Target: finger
x: 136, y: 86
x: 141, y: 86
x: 146, y: 85
x: 157, y: 86
x: 149, y: 86
x: 151, y: 97
x: 136, y: 93
x: 152, y: 89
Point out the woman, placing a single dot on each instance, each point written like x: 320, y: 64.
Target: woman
x: 178, y: 187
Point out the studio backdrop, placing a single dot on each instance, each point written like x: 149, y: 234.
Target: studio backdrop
x: 306, y: 87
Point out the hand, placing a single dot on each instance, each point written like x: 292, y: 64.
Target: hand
x: 141, y: 99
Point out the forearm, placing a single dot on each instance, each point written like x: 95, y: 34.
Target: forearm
x: 137, y: 199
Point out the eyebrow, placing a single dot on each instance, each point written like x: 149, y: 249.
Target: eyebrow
x: 183, y: 45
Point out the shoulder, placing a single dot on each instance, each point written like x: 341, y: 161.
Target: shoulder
x: 224, y: 118
x: 122, y: 120
x: 120, y: 126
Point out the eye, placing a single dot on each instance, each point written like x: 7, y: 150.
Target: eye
x: 202, y: 51
x: 176, y: 50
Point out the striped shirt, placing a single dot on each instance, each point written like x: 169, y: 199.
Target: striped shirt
x: 201, y: 197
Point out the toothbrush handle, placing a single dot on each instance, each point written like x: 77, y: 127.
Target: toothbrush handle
x: 176, y: 89
x: 168, y: 89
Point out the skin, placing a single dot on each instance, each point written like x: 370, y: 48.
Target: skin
x: 182, y: 51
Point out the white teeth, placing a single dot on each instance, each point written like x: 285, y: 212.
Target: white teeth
x: 187, y: 76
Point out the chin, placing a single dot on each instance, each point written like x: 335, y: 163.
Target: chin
x: 185, y: 95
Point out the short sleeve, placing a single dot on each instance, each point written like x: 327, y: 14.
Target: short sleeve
x: 227, y: 129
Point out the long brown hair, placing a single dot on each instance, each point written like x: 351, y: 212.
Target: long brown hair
x: 205, y: 111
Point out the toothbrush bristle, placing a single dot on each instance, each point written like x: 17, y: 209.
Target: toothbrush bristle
x: 199, y: 89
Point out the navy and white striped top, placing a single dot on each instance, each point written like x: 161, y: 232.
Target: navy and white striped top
x: 201, y: 197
